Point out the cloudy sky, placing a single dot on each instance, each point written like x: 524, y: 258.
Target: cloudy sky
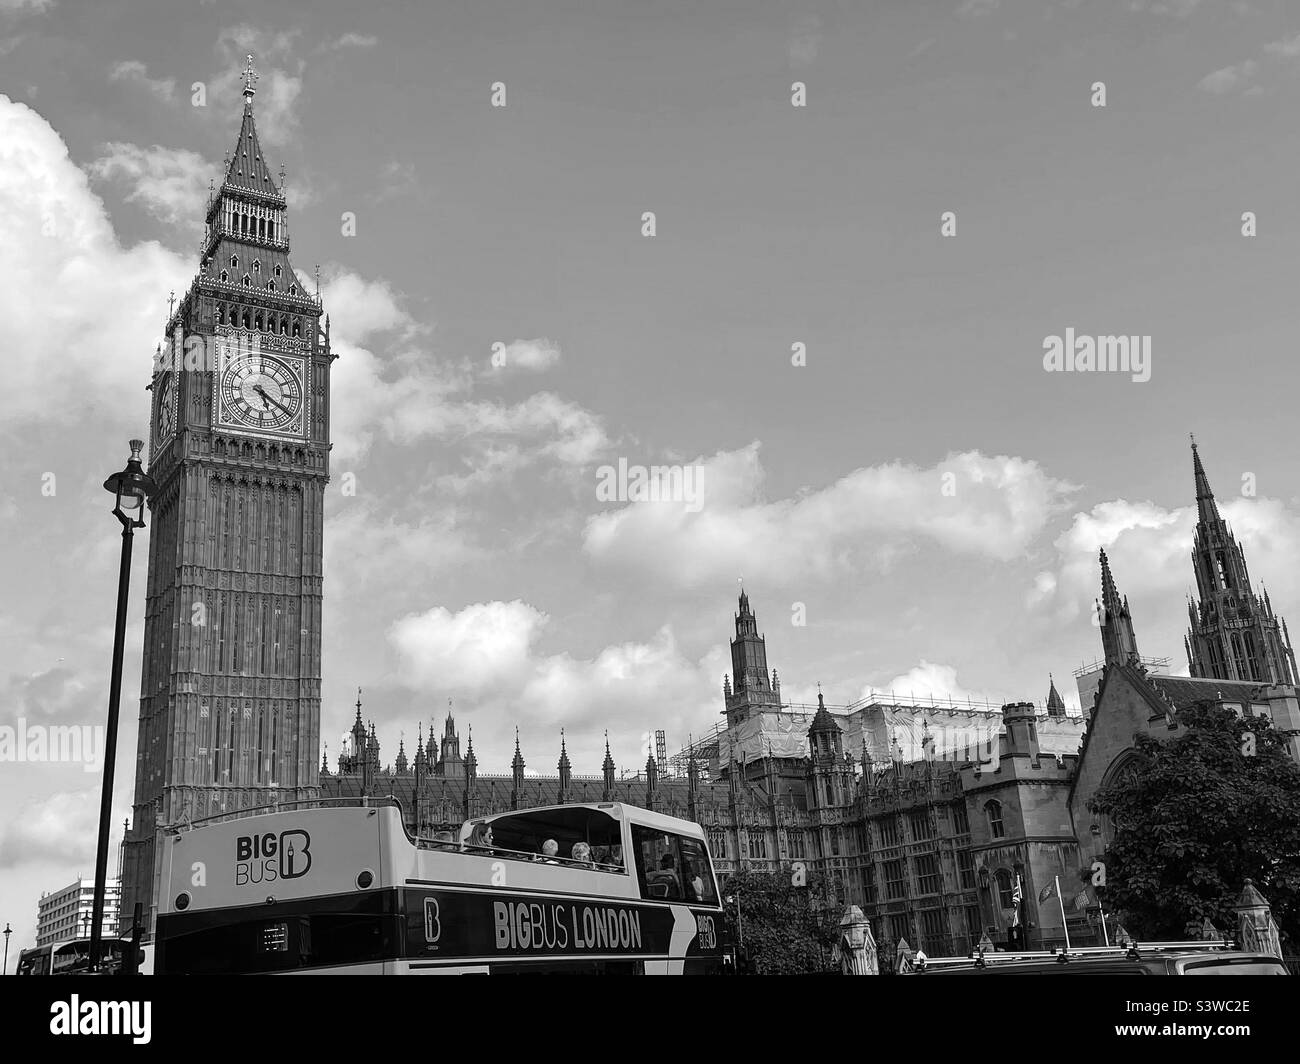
x: 920, y: 492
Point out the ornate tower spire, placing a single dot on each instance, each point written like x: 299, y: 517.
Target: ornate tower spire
x: 1206, y: 507
x: 1233, y: 634
x: 566, y: 772
x: 517, y: 775
x: 1117, y: 638
x: 751, y: 680
x: 1055, y: 705
x: 249, y: 78
x: 607, y: 770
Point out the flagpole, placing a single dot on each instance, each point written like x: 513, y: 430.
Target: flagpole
x: 1061, y: 902
x: 1105, y: 933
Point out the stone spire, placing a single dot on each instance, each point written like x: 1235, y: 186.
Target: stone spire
x: 1118, y: 641
x: 1055, y: 705
x: 565, y: 770
x: 607, y: 770
x: 1232, y: 632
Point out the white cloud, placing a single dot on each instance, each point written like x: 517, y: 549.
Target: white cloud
x: 138, y: 74
x: 398, y: 390
x: 996, y: 508
x: 170, y: 183
x: 1287, y: 48
x: 55, y: 239
x: 537, y: 354
x: 486, y: 655
x: 1228, y: 78
x: 353, y: 40
x: 396, y: 179
x: 929, y: 680
x: 486, y: 644
x: 59, y: 827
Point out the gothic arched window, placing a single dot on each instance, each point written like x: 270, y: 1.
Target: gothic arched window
x: 293, y: 289
x: 1238, y: 658
x: 234, y: 262
x: 257, y: 265
x: 248, y: 281
x: 224, y: 275
x: 1006, y: 897
x: 297, y: 326
x: 270, y: 285
x: 993, y: 810
x: 277, y: 270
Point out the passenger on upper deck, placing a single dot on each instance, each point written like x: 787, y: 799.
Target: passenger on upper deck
x: 550, y: 850
x: 581, y: 853
x: 480, y: 839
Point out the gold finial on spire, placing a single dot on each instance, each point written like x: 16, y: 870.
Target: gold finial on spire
x: 250, y: 76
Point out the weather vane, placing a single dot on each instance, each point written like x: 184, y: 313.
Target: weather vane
x: 250, y: 76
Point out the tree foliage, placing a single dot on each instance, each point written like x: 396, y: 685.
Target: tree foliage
x: 784, y: 929
x: 1196, y: 819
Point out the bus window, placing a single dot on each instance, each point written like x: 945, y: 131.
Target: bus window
x: 658, y: 864
x: 696, y: 878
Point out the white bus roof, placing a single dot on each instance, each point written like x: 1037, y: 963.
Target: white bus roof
x: 632, y: 813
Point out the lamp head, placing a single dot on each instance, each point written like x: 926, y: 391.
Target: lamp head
x: 131, y: 488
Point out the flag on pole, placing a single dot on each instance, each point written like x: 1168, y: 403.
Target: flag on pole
x: 1017, y: 895
x: 1046, y: 892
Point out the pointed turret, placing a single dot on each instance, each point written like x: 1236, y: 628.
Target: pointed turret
x: 1055, y: 704
x: 566, y: 771
x: 751, y: 683
x: 1206, y: 507
x: 607, y: 770
x: 825, y: 742
x: 517, y: 775
x: 1233, y: 633
x: 400, y: 762
x: 1118, y: 641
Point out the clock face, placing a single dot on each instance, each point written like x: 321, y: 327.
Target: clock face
x: 166, y: 389
x: 263, y: 393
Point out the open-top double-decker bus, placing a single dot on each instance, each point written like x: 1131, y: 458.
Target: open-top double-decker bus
x: 344, y: 888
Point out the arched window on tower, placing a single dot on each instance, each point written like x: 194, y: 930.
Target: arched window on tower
x: 1239, y: 658
x: 1252, y: 659
x: 293, y: 289
x: 234, y: 262
x: 270, y: 286
x: 221, y: 314
x: 257, y: 321
x: 993, y: 810
x: 261, y: 228
x: 297, y: 326
x: 248, y: 319
x: 277, y: 269
x: 248, y: 281
x: 257, y: 265
x: 1006, y: 887
x: 225, y: 276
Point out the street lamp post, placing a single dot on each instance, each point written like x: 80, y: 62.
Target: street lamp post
x: 130, y: 489
x: 4, y: 968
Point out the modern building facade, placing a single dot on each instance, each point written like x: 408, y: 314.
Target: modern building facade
x: 67, y: 913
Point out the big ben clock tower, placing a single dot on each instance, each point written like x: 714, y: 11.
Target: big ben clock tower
x: 230, y: 685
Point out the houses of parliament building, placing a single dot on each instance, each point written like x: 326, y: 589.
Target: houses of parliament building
x: 926, y: 815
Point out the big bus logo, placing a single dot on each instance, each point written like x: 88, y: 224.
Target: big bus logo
x: 266, y: 858
x: 707, y: 933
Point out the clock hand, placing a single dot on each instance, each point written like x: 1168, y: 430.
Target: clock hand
x: 258, y: 389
